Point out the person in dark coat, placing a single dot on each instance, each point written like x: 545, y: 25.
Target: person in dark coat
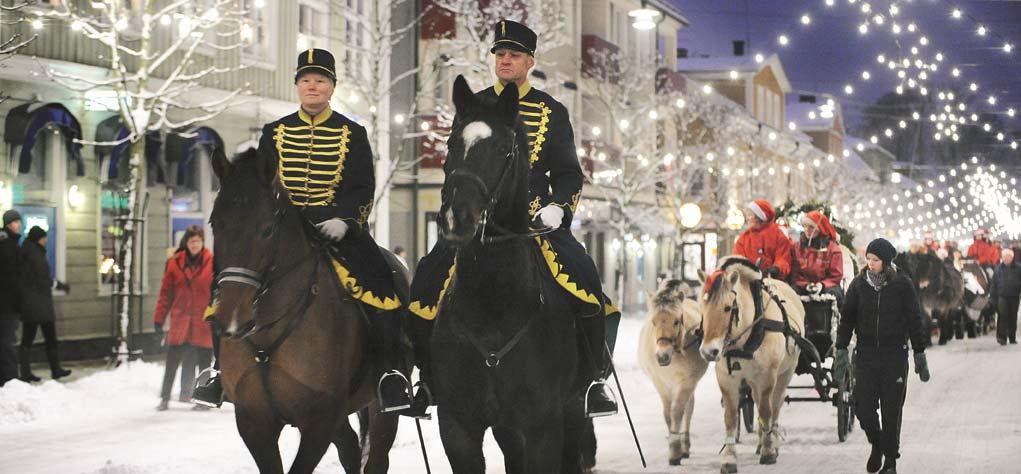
x: 881, y: 307
x: 1005, y: 294
x: 10, y: 235
x: 184, y: 293
x: 37, y: 305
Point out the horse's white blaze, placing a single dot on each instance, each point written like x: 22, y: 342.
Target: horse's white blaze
x: 450, y: 218
x: 233, y: 326
x: 473, y: 132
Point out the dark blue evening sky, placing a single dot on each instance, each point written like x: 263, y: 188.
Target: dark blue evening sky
x: 830, y: 52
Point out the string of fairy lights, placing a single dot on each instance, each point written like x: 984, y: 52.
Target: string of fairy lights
x: 914, y: 72
x: 956, y: 217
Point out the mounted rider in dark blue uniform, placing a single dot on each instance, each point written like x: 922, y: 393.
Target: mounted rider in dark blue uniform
x: 324, y: 162
x: 555, y: 187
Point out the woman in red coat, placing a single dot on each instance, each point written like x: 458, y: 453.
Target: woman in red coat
x: 183, y: 298
x: 818, y: 260
x: 764, y: 243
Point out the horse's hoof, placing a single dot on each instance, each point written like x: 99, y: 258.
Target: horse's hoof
x: 685, y: 455
x: 675, y: 462
x: 767, y: 459
x: 728, y: 468
x: 758, y: 449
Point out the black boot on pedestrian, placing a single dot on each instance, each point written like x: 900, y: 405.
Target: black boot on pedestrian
x: 1013, y: 341
x: 875, y: 460
x: 394, y: 392
x: 55, y: 369
x: 421, y: 403
x: 24, y: 360
x: 889, y: 467
x: 597, y: 402
x: 164, y: 404
x: 208, y: 389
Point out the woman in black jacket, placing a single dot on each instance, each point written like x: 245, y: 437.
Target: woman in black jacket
x: 881, y: 307
x: 37, y: 305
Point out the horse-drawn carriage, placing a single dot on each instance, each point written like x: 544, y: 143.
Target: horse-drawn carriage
x: 821, y: 317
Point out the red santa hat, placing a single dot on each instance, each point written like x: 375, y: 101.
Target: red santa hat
x: 762, y: 209
x: 822, y: 222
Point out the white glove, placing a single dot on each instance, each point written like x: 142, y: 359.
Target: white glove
x: 551, y: 216
x: 334, y: 229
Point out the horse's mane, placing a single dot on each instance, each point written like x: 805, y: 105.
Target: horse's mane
x: 670, y: 295
x: 731, y: 263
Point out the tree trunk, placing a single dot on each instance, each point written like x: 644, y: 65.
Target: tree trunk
x: 128, y: 249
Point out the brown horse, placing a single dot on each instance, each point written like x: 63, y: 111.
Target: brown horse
x: 729, y: 322
x: 295, y: 349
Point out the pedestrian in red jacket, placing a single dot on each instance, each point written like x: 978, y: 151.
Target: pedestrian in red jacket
x: 184, y: 294
x: 764, y: 243
x: 982, y: 250
x: 818, y: 264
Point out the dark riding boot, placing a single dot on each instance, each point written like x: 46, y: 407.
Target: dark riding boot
x: 56, y: 371
x: 421, y: 340
x: 24, y: 354
x: 393, y: 389
x: 598, y: 401
x: 875, y: 459
x: 208, y: 388
x: 889, y: 467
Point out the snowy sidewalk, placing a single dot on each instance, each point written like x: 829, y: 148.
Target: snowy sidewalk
x: 965, y: 420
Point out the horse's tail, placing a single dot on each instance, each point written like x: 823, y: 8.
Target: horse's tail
x: 670, y: 294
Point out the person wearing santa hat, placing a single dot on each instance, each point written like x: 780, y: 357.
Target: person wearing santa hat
x: 818, y: 265
x: 764, y: 244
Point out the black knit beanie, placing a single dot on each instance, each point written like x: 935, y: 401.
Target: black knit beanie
x: 883, y: 249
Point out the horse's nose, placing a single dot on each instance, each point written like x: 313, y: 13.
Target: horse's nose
x: 711, y: 354
x: 663, y: 358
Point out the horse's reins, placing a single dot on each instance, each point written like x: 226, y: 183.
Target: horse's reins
x: 254, y: 278
x: 491, y: 197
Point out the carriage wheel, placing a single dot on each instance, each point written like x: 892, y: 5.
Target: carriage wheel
x: 747, y: 408
x: 845, y: 407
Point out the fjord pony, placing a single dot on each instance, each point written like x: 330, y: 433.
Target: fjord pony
x: 728, y: 321
x: 504, y: 347
x: 668, y: 354
x: 294, y: 347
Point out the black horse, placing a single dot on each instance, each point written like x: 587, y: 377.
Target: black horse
x: 940, y: 290
x: 505, y: 348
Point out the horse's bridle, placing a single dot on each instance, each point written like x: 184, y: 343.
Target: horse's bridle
x: 491, y: 196
x: 262, y: 280
x: 675, y: 340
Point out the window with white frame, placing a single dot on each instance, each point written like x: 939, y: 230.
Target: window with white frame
x: 259, y: 31
x: 313, y: 24
x: 355, y: 37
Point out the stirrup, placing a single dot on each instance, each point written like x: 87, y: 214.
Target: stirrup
x: 612, y: 398
x: 407, y: 391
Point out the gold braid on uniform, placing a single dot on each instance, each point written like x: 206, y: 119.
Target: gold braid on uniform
x: 311, y: 161
x: 536, y: 129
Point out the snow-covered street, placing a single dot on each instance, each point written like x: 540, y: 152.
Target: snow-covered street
x: 965, y: 420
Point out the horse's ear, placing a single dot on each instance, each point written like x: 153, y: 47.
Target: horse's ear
x: 464, y: 98
x: 221, y: 165
x: 733, y: 278
x: 508, y: 103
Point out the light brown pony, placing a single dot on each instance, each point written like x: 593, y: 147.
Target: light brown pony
x: 278, y: 294
x: 668, y: 354
x: 728, y: 317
